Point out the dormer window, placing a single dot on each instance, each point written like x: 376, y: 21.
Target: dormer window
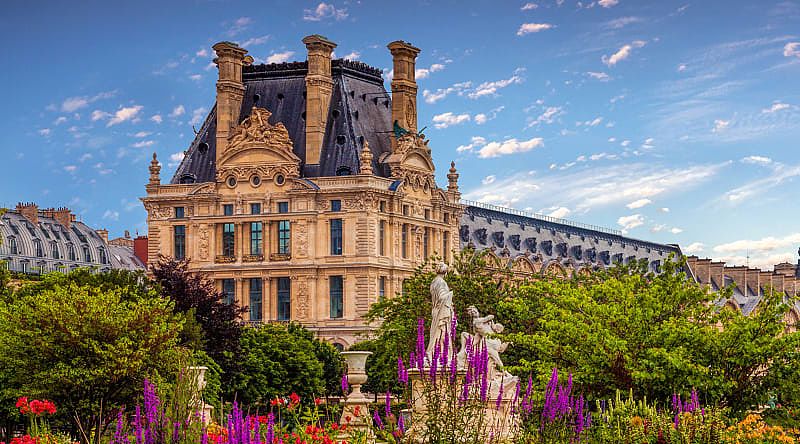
x: 37, y: 246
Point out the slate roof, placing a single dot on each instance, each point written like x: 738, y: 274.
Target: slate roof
x: 18, y: 231
x: 360, y: 109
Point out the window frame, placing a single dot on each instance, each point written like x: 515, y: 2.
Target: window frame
x: 256, y: 238
x: 337, y: 237
x: 229, y: 239
x: 179, y: 242
x: 256, y: 298
x: 336, y: 296
x: 283, y: 298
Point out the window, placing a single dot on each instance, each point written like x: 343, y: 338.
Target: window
x: 23, y: 266
x: 179, y: 242
x: 382, y: 238
x: 382, y: 206
x: 179, y: 214
x: 228, y: 240
x: 426, y: 234
x: 102, y: 253
x: 336, y: 205
x: 227, y: 209
x: 228, y: 291
x: 255, y: 208
x: 381, y: 288
x: 256, y: 234
x: 405, y: 210
x: 284, y: 299
x: 87, y: 254
x: 71, y: 252
x: 255, y: 299
x: 284, y: 237
x: 446, y: 245
x: 447, y: 218
x: 46, y: 234
x: 404, y: 241
x: 54, y: 251
x: 336, y: 237
x: 427, y: 214
x: 283, y: 207
x: 12, y: 245
x: 37, y: 244
x: 336, y: 286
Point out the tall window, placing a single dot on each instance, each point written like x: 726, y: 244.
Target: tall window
x: 336, y: 285
x: 102, y: 252
x: 336, y: 237
x: 227, y: 209
x: 12, y: 245
x: 228, y: 291
x: 38, y: 247
x: 381, y: 288
x: 71, y: 252
x: 446, y: 245
x: 404, y: 241
x: 382, y: 238
x: 256, y: 235
x: 179, y: 213
x: 284, y: 237
x: 284, y: 299
x: 426, y: 234
x: 255, y: 208
x: 87, y: 254
x: 228, y: 240
x: 255, y: 299
x: 54, y: 250
x: 179, y: 242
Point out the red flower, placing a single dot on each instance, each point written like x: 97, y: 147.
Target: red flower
x: 317, y: 401
x: 294, y: 398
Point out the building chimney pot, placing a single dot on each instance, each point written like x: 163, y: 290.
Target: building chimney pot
x: 230, y: 91
x: 404, y: 86
x: 29, y: 210
x: 319, y: 88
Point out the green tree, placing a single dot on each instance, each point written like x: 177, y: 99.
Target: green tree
x: 332, y: 361
x: 86, y: 348
x: 275, y: 361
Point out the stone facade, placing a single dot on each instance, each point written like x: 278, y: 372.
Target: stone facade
x: 297, y: 199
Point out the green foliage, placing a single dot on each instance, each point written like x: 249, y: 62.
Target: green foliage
x: 333, y: 364
x: 277, y: 359
x: 86, y: 347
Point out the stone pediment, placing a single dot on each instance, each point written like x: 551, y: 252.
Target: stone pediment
x: 255, y: 133
x: 411, y: 161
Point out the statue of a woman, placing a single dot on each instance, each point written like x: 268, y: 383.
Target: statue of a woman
x: 442, y: 310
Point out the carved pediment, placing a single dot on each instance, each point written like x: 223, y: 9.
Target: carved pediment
x: 411, y: 156
x: 256, y: 133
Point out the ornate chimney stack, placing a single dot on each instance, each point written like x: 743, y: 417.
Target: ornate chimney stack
x: 103, y: 233
x: 366, y: 160
x: 29, y: 210
x: 155, y: 171
x: 230, y: 90
x: 64, y: 216
x: 404, y: 86
x: 452, y: 182
x: 319, y: 87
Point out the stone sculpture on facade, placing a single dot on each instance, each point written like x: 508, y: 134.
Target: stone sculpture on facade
x: 442, y: 313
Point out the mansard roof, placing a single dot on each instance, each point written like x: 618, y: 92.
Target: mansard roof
x: 50, y: 234
x: 572, y: 244
x: 360, y: 109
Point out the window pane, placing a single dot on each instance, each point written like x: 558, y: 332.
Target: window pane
x: 337, y: 296
x: 336, y: 237
x: 228, y: 291
x: 284, y: 299
x: 227, y: 209
x: 381, y: 288
x: 256, y: 235
x: 425, y: 242
x: 283, y: 207
x: 228, y: 240
x: 255, y: 208
x: 336, y: 205
x: 382, y: 238
x: 179, y: 249
x: 255, y: 299
x: 179, y: 212
x: 284, y: 237
x: 404, y: 240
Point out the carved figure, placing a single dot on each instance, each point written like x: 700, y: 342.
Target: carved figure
x: 442, y: 309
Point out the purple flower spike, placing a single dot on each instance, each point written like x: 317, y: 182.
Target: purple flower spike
x: 401, y: 424
x: 377, y: 418
x: 499, y: 401
x: 388, y: 403
x: 345, y: 386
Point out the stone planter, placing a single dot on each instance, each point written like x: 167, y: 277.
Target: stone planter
x: 356, y: 404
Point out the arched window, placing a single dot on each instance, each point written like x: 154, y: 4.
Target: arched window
x: 87, y: 254
x: 12, y: 245
x: 54, y: 250
x: 71, y: 252
x: 37, y: 244
x: 102, y: 254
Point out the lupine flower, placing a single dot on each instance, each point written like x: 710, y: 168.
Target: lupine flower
x: 345, y: 387
x: 499, y: 401
x: 120, y: 437
x: 388, y: 403
x: 421, y: 343
x: 515, y: 398
x: 138, y: 425
x: 377, y: 418
x: 401, y: 424
x: 402, y: 375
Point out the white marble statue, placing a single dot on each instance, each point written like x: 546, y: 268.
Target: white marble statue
x: 442, y: 313
x: 484, y: 328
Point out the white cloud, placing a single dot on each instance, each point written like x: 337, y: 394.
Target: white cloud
x: 482, y: 118
x: 280, y: 57
x: 625, y: 143
x: 630, y: 222
x: 758, y: 160
x: 238, y: 25
x: 70, y: 168
x: 721, y: 125
x: 143, y: 144
x: 622, y: 22
x: 99, y: 115
x: 622, y: 54
x: 125, y: 114
x: 202, y: 52
x: 490, y: 88
x: 601, y: 76
x: 595, y: 122
x: 664, y: 210
x: 60, y: 120
x: 324, y: 11
x: 197, y: 115
x: 421, y: 73
x: 779, y: 173
x: 548, y: 116
x: 444, y: 120
x: 639, y: 203
x: 608, y: 3
x: 529, y: 6
x: 157, y: 118
x: 762, y: 245
x: 73, y: 104
x: 476, y: 141
x: 648, y: 143
x: 141, y: 134
x: 694, y: 248
x: 675, y: 230
x: 175, y: 159
x: 45, y: 132
x: 85, y: 157
x: 560, y: 212
x: 488, y: 179
x: 195, y: 77
x: 682, y: 67
x: 777, y: 106
x: 353, y: 55
x: 254, y: 41
x: 792, y: 49
x: 528, y: 28
x: 510, y: 146
x: 177, y: 111
x: 111, y: 215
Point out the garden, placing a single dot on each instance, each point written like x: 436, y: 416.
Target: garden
x: 617, y: 356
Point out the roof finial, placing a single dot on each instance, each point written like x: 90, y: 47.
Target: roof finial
x: 452, y: 178
x: 155, y: 170
x: 366, y: 159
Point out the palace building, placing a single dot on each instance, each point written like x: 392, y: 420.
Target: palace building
x: 308, y: 194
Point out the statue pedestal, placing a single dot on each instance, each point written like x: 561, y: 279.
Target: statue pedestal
x: 483, y: 419
x: 355, y: 413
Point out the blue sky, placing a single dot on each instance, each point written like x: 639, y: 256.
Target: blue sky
x: 675, y: 121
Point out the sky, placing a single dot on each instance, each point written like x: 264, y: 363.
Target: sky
x: 672, y: 121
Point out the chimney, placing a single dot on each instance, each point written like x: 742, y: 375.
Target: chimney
x: 64, y: 216
x: 404, y: 86
x: 738, y: 273
x: 103, y: 233
x: 230, y: 90
x: 717, y: 273
x: 319, y: 87
x: 140, y: 248
x: 753, y: 276
x: 765, y: 279
x: 29, y: 210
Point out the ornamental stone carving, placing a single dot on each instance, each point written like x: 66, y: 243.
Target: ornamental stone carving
x: 301, y: 239
x: 204, y: 241
x: 256, y: 128
x: 302, y: 300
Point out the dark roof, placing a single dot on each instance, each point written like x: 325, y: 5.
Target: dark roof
x: 360, y: 109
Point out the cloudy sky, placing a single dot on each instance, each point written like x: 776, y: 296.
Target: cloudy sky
x: 674, y: 121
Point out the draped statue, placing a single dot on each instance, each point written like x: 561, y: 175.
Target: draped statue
x: 442, y: 313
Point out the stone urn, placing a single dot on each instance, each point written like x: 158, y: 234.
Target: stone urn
x: 356, y: 413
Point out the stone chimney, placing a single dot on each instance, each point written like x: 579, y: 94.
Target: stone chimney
x: 230, y: 90
x: 140, y: 248
x: 64, y: 216
x: 103, y: 233
x: 717, y: 273
x: 785, y: 269
x: 319, y: 88
x: 753, y: 276
x: 738, y: 273
x: 404, y: 86
x: 29, y: 210
x: 765, y: 279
